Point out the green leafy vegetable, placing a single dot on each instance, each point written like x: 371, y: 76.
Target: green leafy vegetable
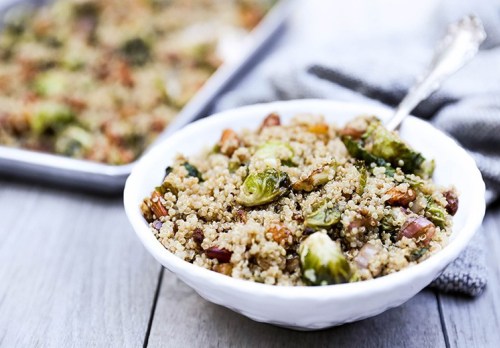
x: 417, y: 254
x: 136, y: 51
x: 393, y: 221
x: 436, y: 213
x: 193, y: 171
x: 168, y: 170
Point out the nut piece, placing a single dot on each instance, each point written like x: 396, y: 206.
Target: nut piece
x: 158, y: 209
x: 400, y: 197
x: 229, y: 142
x: 271, y: 120
x: 146, y: 211
x: 280, y: 234
x: 224, y: 268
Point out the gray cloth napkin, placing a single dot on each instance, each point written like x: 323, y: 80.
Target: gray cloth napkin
x: 371, y: 51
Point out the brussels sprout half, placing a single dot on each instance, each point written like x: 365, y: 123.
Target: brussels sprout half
x: 264, y: 187
x: 322, y: 261
x: 272, y: 151
x: 323, y: 216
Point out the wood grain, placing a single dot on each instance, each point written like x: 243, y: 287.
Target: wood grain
x: 74, y: 275
x: 183, y: 318
x: 476, y: 322
x: 72, y: 271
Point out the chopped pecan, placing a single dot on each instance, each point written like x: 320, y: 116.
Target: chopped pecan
x: 146, y: 211
x: 224, y: 268
x: 271, y: 120
x: 400, y: 197
x: 229, y: 142
x: 280, y: 234
x: 158, y: 209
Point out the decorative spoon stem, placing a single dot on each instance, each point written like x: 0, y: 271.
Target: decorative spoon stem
x: 457, y: 48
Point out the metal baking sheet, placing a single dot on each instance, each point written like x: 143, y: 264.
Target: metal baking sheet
x: 106, y: 178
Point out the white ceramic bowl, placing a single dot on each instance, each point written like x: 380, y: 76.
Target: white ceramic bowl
x: 309, y: 308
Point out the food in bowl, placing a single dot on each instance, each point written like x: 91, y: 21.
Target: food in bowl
x: 99, y: 80
x: 305, y: 203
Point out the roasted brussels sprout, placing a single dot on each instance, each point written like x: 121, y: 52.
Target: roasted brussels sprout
x: 136, y: 51
x: 273, y: 151
x: 380, y: 146
x: 323, y: 216
x: 317, y: 177
x: 264, y: 187
x: 50, y: 84
x: 436, y: 213
x: 271, y: 120
x: 381, y: 142
x: 50, y: 115
x: 322, y: 261
x: 73, y: 141
x: 356, y: 150
x: 15, y: 19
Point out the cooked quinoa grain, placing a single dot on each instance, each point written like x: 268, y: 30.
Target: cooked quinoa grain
x: 304, y: 203
x: 100, y: 79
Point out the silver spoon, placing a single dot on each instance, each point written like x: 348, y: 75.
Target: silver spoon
x: 457, y: 48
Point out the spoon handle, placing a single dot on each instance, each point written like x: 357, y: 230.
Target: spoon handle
x: 459, y: 45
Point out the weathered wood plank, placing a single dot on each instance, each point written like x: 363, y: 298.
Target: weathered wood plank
x: 73, y: 273
x: 182, y: 318
x: 475, y: 322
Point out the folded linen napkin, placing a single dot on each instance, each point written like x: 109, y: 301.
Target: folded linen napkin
x: 371, y: 51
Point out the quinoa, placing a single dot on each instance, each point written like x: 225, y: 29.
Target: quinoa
x: 266, y: 204
x: 100, y: 79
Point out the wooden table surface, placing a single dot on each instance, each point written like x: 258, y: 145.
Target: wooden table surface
x: 73, y: 273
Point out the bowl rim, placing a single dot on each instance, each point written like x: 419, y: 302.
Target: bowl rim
x: 433, y: 264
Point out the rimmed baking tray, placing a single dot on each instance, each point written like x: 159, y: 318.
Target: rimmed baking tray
x: 106, y: 178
